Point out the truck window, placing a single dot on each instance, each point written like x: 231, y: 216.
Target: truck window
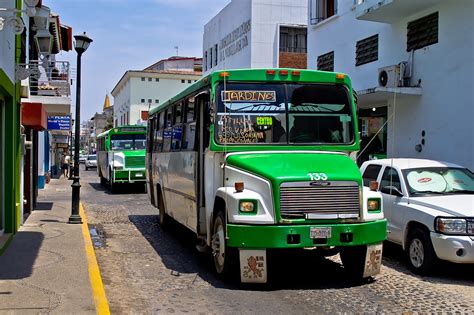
x: 370, y: 174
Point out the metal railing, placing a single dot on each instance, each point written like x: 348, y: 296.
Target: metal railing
x: 49, y: 78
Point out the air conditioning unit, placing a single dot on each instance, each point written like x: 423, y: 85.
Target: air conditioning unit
x: 389, y: 76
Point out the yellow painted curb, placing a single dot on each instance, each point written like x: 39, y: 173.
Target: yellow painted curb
x: 100, y: 300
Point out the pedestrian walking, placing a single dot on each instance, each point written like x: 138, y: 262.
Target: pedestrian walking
x: 65, y: 164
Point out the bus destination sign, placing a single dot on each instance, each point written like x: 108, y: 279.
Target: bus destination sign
x: 248, y: 96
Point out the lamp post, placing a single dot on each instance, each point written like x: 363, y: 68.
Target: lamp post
x: 70, y: 149
x: 81, y: 44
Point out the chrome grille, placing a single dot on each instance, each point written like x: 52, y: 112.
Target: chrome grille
x: 320, y: 200
x: 135, y: 161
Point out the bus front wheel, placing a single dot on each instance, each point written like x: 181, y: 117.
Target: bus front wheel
x: 353, y: 260
x: 222, y: 254
x: 161, y: 208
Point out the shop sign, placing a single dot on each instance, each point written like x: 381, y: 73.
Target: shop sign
x: 59, y: 122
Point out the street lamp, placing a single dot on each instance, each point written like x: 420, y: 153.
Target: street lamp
x: 81, y: 44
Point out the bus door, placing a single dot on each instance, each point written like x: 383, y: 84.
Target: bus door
x: 204, y: 122
x: 149, y: 158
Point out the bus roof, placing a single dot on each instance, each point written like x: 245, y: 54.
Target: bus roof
x: 126, y: 128
x: 260, y: 75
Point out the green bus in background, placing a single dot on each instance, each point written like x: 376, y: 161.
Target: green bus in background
x: 121, y: 156
x: 258, y: 160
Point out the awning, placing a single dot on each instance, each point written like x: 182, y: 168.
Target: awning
x: 34, y: 115
x: 379, y: 96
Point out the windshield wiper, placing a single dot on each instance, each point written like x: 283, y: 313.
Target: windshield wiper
x: 420, y: 192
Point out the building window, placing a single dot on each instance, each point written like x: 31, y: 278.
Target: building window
x: 293, y: 39
x: 326, y: 62
x: 143, y: 100
x: 143, y: 79
x: 149, y: 101
x: 157, y: 79
x: 183, y: 81
x: 210, y: 58
x: 321, y: 10
x: 422, y: 32
x: 215, y: 55
x: 205, y: 61
x: 367, y: 50
x: 189, y: 81
x: 150, y: 79
x: 157, y: 101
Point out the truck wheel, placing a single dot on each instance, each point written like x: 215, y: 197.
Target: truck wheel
x: 163, y: 216
x: 103, y: 181
x: 353, y: 260
x: 421, y: 255
x: 222, y: 254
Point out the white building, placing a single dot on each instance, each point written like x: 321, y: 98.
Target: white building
x: 426, y: 93
x: 139, y: 91
x: 256, y: 34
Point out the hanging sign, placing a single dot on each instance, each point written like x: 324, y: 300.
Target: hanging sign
x: 59, y: 122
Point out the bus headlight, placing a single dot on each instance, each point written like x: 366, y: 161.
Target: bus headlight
x: 373, y: 205
x: 248, y: 206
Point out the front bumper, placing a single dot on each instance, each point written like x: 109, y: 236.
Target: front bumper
x: 284, y: 236
x: 457, y: 249
x: 129, y: 176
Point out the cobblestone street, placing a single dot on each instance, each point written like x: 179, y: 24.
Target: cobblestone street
x: 148, y: 270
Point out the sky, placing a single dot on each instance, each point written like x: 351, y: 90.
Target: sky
x: 129, y: 35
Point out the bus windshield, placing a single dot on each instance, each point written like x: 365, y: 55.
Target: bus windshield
x: 284, y: 113
x: 122, y: 142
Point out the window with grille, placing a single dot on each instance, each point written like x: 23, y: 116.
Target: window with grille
x: 367, y: 50
x: 321, y: 9
x: 422, y: 32
x: 293, y: 39
x: 326, y: 62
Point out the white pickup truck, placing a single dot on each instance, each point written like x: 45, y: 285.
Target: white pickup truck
x: 429, y: 207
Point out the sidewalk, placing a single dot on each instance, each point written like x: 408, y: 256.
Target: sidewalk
x: 45, y: 268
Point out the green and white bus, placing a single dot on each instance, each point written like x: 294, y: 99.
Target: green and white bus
x: 254, y: 160
x: 121, y: 156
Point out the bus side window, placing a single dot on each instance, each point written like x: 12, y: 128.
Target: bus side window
x: 189, y: 128
x: 167, y: 130
x: 207, y: 122
x: 158, y: 132
x: 177, y: 132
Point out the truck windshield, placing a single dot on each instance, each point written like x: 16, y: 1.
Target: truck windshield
x: 283, y: 113
x: 128, y: 142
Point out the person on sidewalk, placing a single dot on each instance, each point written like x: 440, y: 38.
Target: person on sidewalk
x: 65, y: 164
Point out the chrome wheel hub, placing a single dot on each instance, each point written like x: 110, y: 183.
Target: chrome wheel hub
x: 417, y: 253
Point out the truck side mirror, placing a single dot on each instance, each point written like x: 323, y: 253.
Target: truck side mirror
x: 391, y: 190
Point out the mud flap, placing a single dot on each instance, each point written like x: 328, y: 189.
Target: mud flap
x: 373, y: 260
x: 253, y: 265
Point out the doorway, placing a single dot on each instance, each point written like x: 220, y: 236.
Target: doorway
x: 373, y: 134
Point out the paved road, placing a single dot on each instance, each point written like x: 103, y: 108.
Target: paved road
x: 148, y: 270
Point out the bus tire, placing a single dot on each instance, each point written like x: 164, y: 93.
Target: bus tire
x: 161, y: 208
x: 224, y: 258
x: 353, y: 260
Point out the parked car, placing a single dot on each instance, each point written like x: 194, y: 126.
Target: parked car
x: 429, y: 207
x: 82, y: 159
x: 91, y: 161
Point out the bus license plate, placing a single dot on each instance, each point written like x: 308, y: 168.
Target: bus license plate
x: 320, y: 232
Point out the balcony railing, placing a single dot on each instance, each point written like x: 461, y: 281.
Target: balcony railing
x: 49, y: 78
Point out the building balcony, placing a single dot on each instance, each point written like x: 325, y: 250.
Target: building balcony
x: 390, y: 11
x: 49, y: 84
